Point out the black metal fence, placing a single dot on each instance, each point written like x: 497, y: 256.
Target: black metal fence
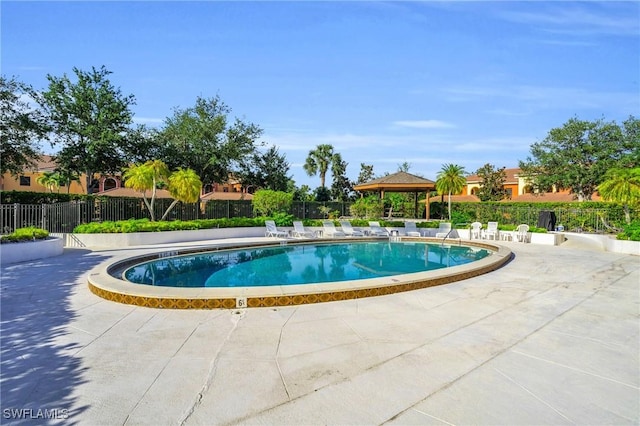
x: 64, y: 217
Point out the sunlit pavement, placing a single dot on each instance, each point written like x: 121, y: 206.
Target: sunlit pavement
x: 551, y: 338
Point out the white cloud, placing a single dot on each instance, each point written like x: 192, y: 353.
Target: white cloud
x: 424, y: 124
x: 580, y: 20
x: 529, y: 96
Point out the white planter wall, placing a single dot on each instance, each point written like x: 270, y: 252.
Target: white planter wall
x: 166, y: 237
x: 30, y: 250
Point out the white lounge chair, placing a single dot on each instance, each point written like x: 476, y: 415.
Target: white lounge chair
x: 444, y: 230
x: 300, y: 232
x: 492, y: 231
x: 522, y: 233
x: 476, y: 231
x: 378, y: 230
x: 349, y: 230
x: 272, y: 230
x: 411, y: 229
x: 329, y: 229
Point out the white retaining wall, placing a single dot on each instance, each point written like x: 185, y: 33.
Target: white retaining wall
x: 149, y: 238
x: 166, y: 237
x: 30, y: 250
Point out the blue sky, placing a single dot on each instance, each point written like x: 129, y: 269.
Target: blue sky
x: 426, y: 83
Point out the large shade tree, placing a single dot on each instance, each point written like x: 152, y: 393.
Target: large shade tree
x: 268, y: 170
x: 577, y: 155
x: 450, y: 180
x: 622, y: 186
x: 22, y: 125
x: 318, y: 162
x: 203, y: 139
x: 341, y: 186
x: 492, y: 181
x: 90, y: 120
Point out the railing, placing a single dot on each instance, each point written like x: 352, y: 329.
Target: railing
x: 64, y: 217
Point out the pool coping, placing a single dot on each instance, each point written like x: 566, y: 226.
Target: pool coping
x: 104, y: 285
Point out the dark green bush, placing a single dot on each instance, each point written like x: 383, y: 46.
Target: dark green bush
x: 27, y: 197
x: 145, y: 225
x: 25, y: 234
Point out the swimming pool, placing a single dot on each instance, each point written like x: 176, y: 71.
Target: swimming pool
x: 300, y: 264
x: 107, y: 281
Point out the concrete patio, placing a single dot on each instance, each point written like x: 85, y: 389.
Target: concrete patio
x: 553, y: 337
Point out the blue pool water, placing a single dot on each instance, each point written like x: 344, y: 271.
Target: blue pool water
x: 300, y: 264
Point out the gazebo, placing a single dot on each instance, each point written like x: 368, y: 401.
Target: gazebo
x: 399, y: 182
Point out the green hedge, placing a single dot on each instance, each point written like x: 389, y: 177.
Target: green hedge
x: 145, y: 225
x: 28, y: 197
x: 25, y: 234
x: 588, y: 216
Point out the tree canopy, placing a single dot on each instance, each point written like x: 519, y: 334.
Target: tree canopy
x: 341, y: 187
x: 202, y: 139
x: 90, y: 118
x: 267, y: 170
x: 577, y: 155
x: 492, y: 183
x: 21, y: 126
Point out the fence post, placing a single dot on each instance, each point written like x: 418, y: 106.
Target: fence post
x: 16, y: 215
x: 45, y: 209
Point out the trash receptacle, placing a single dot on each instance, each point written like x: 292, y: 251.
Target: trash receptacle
x: 547, y: 220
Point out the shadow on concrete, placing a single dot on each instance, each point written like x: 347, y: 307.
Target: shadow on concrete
x: 38, y: 369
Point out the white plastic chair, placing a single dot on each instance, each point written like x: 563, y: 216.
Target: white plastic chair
x: 329, y: 229
x: 475, y: 231
x: 272, y: 230
x: 492, y: 232
x: 521, y: 233
x: 300, y: 232
x: 349, y: 230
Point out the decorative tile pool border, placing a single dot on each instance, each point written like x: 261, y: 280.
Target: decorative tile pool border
x: 133, y: 294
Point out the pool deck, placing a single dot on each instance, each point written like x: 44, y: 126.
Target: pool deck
x: 553, y: 337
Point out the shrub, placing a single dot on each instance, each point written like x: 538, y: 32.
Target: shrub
x: 267, y: 202
x: 631, y: 232
x: 145, y: 225
x: 25, y: 234
x: 367, y: 207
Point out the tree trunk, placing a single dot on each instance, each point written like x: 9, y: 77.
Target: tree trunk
x: 89, y: 180
x: 627, y: 214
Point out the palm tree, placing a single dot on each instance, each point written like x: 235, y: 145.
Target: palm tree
x: 622, y: 186
x: 184, y: 186
x: 146, y: 177
x: 318, y: 162
x: 450, y: 180
x: 49, y: 180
